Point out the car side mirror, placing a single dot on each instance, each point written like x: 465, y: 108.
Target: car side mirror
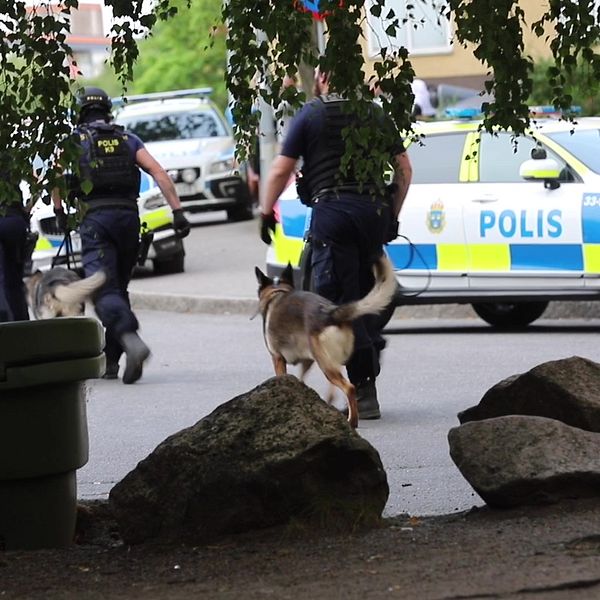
x: 541, y: 169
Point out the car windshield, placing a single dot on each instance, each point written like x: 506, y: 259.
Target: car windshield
x: 582, y: 144
x: 173, y: 126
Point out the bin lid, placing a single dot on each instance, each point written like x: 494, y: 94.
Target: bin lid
x: 51, y: 341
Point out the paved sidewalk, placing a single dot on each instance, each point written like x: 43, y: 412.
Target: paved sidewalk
x: 194, y: 303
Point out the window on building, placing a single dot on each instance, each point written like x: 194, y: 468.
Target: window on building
x: 421, y: 27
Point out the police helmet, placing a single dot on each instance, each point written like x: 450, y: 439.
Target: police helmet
x: 93, y: 97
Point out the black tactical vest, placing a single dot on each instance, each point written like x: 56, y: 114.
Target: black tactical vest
x: 107, y: 162
x: 322, y: 168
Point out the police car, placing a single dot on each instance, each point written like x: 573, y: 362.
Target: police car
x: 165, y: 251
x: 190, y: 138
x: 505, y: 227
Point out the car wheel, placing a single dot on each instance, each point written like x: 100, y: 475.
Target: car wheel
x: 172, y: 264
x: 509, y: 315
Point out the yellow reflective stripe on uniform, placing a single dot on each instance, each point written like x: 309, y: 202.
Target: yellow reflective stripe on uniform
x: 591, y: 258
x: 489, y: 257
x: 287, y: 249
x: 451, y: 257
x: 43, y: 244
x: 157, y: 218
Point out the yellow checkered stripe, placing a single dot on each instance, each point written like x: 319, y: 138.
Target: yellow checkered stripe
x: 496, y: 258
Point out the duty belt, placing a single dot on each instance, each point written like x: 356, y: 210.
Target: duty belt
x: 354, y: 190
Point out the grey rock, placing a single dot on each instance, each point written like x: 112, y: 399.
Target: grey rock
x: 275, y: 455
x: 518, y: 460
x: 567, y: 390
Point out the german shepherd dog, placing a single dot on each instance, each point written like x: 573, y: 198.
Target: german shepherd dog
x: 60, y: 292
x: 303, y: 327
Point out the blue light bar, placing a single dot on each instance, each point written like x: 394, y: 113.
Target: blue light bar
x: 547, y: 110
x: 463, y: 113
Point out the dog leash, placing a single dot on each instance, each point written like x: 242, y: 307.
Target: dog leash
x: 67, y: 244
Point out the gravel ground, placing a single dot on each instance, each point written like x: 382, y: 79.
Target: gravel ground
x: 537, y: 552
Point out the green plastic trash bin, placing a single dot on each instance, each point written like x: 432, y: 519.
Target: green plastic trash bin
x: 43, y: 426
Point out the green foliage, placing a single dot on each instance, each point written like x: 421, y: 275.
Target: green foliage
x: 267, y: 39
x: 37, y: 100
x: 496, y: 29
x: 580, y: 84
x: 186, y: 52
x: 258, y: 64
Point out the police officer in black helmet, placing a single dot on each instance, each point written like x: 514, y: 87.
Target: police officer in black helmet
x: 14, y: 224
x: 110, y: 160
x: 350, y: 220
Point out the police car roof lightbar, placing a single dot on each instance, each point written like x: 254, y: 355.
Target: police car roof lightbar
x: 463, y: 113
x: 206, y: 91
x: 552, y: 111
x: 534, y: 111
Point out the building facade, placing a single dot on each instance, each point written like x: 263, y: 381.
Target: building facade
x: 87, y: 38
x: 435, y: 54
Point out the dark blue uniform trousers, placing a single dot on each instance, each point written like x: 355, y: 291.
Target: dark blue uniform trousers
x: 110, y: 241
x: 13, y: 231
x: 348, y: 233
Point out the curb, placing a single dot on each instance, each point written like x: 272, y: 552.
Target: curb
x: 183, y: 303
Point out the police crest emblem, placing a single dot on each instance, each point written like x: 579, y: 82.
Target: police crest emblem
x: 436, y: 217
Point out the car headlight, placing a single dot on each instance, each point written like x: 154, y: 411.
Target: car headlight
x: 221, y: 166
x: 189, y: 175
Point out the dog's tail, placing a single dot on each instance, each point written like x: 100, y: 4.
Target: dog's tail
x: 80, y: 290
x: 376, y: 300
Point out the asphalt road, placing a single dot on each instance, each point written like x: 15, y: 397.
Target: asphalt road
x: 219, y: 263
x: 432, y: 369
x: 206, y: 350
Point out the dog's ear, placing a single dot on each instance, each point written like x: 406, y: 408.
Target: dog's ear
x: 263, y: 280
x: 288, y: 275
x: 32, y: 280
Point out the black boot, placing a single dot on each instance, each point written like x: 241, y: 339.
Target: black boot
x: 136, y: 353
x: 366, y: 398
x: 112, y: 370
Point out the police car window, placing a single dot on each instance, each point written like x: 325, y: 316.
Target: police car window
x: 500, y: 159
x: 583, y: 144
x: 163, y: 127
x: 437, y: 159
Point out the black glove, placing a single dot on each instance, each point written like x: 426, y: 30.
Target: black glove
x: 267, y: 225
x: 180, y: 224
x: 61, y: 219
x: 392, y: 231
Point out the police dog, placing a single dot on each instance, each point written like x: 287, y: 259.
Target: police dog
x: 60, y: 292
x: 303, y: 327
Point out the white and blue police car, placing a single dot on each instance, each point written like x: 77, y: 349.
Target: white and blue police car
x: 506, y: 224
x: 188, y: 135
x: 165, y: 252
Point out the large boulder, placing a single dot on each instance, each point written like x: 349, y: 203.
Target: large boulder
x: 515, y: 460
x: 273, y: 455
x: 567, y: 390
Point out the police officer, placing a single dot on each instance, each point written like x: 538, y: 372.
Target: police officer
x: 350, y: 220
x: 14, y: 224
x: 110, y: 160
